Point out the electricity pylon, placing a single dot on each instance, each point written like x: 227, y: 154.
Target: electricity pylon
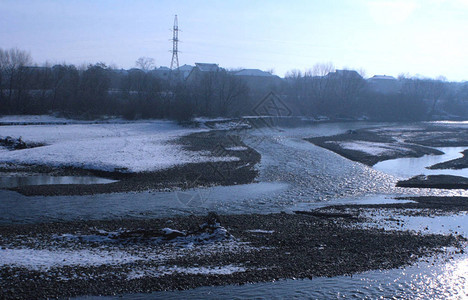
x: 175, y: 45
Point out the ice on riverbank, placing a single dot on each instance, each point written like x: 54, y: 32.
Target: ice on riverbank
x: 42, y: 259
x: 132, y: 147
x: 165, y: 270
x: 452, y: 224
x: 372, y: 148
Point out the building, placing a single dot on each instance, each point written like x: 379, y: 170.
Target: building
x: 184, y: 71
x: 161, y: 72
x: 344, y: 74
x: 200, y: 70
x: 383, y: 84
x: 257, y: 79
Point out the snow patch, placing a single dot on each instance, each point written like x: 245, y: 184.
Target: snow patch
x: 372, y: 148
x: 36, y: 259
x: 132, y: 147
x: 164, y: 270
x: 237, y: 148
x: 35, y: 119
x: 261, y: 231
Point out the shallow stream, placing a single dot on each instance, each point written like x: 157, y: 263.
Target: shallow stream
x: 292, y: 173
x: 15, y: 181
x: 408, y: 167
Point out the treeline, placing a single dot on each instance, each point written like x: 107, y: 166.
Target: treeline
x: 345, y: 94
x: 96, y: 90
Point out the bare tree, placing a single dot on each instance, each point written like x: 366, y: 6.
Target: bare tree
x: 322, y: 69
x: 145, y: 63
x: 12, y: 63
x: 230, y: 89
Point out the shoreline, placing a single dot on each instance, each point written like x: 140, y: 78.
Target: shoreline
x: 206, y: 251
x: 435, y: 181
x: 216, y: 142
x: 370, y: 146
x: 454, y: 164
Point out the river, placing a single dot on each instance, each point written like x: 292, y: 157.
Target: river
x: 293, y: 174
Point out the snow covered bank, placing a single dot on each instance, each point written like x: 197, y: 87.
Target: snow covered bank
x: 41, y: 259
x: 35, y: 119
x: 131, y: 147
x: 164, y: 270
x: 372, y: 148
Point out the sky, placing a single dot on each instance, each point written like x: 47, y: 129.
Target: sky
x: 426, y: 38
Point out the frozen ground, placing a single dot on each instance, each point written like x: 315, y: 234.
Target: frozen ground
x: 131, y: 147
x: 58, y: 255
x: 372, y: 148
x: 47, y: 119
x: 35, y: 119
x: 44, y: 259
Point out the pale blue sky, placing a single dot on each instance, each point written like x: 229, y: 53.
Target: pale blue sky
x: 425, y: 37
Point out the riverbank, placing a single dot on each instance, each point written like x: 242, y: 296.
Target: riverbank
x: 415, y: 206
x: 370, y: 146
x: 140, y: 256
x: 455, y: 164
x: 238, y: 169
x: 435, y: 181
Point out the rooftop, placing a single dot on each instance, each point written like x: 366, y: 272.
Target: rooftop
x: 252, y: 72
x: 382, y: 77
x: 204, y: 67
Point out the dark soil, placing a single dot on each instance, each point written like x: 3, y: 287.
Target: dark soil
x: 17, y: 143
x: 455, y: 164
x: 298, y: 246
x: 184, y: 176
x: 435, y: 181
x: 366, y: 135
x: 433, y: 135
x: 423, y: 205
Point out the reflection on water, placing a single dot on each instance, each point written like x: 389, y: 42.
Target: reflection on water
x: 15, y: 181
x: 17, y: 208
x: 437, y: 279
x: 409, y: 167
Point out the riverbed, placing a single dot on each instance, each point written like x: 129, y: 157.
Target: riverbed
x: 293, y: 174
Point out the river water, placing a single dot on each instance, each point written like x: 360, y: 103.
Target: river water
x: 15, y: 181
x: 293, y: 174
x: 409, y: 166
x: 424, y: 280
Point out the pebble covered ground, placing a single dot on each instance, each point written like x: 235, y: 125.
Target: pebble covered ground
x: 120, y: 256
x: 139, y: 256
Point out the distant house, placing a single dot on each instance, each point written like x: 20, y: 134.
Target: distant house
x: 166, y: 73
x: 253, y: 72
x: 161, y: 72
x: 184, y: 71
x: 383, y: 84
x: 200, y: 70
x: 258, y: 79
x: 340, y: 74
